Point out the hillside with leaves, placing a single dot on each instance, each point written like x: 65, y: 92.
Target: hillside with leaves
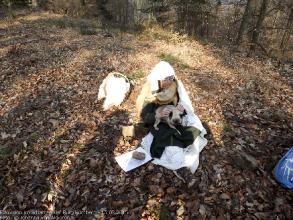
x: 57, y: 145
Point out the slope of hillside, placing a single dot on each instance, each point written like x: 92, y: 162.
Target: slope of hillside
x: 58, y: 146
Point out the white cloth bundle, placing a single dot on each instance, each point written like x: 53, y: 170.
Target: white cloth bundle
x: 113, y: 89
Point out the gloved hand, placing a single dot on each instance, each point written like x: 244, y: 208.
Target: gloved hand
x: 164, y: 112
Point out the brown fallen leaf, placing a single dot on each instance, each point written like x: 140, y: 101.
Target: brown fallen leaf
x: 225, y: 196
x: 67, y: 203
x: 19, y: 197
x: 93, y: 163
x: 171, y: 190
x: 156, y: 189
x: 54, y: 122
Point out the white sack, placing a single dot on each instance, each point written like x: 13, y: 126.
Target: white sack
x: 114, y: 90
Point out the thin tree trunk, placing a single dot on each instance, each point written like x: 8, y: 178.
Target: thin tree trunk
x: 125, y: 19
x: 287, y: 31
x: 34, y: 3
x: 215, y: 29
x: 245, y: 20
x: 8, y: 4
x: 286, y: 36
x: 256, y: 32
x: 82, y: 2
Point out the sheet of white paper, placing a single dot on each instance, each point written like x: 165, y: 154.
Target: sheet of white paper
x: 127, y: 163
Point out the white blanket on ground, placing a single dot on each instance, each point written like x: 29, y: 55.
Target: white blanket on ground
x: 175, y: 157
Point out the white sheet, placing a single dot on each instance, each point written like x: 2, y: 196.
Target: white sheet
x: 127, y: 163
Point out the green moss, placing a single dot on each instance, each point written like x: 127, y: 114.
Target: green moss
x: 227, y: 128
x: 85, y: 27
x: 169, y: 58
x: 85, y: 30
x: 5, y: 152
x: 34, y: 137
x: 173, y: 60
x: 184, y: 66
x: 137, y: 75
x: 62, y: 23
x: 165, y: 213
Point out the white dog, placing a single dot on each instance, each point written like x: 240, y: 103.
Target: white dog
x: 113, y: 89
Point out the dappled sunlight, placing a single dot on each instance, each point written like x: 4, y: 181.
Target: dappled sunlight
x: 153, y: 207
x: 61, y: 145
x: 38, y: 16
x: 5, y: 39
x: 58, y: 179
x: 10, y: 23
x: 28, y: 84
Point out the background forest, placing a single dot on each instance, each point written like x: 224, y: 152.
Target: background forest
x: 252, y: 25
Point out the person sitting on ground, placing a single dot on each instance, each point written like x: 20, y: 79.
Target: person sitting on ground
x: 161, y: 89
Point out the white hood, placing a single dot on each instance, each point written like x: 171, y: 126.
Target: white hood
x: 160, y: 72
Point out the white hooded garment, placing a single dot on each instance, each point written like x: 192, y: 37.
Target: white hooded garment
x: 114, y: 89
x: 175, y: 157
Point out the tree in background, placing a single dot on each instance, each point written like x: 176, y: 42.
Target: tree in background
x: 287, y: 36
x: 246, y: 19
x: 259, y: 24
x: 252, y: 25
x: 8, y: 4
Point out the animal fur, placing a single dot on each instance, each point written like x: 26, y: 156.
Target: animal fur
x: 171, y: 119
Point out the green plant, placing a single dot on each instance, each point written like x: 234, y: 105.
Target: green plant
x: 137, y: 75
x: 33, y: 137
x: 85, y: 30
x: 62, y: 23
x: 227, y: 128
x: 169, y: 58
x: 184, y: 66
x: 5, y: 152
x: 165, y: 213
x: 173, y: 60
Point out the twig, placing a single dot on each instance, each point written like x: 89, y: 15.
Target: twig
x: 176, y: 174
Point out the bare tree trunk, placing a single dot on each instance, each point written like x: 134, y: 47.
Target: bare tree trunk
x: 215, y: 29
x: 126, y: 20
x: 245, y: 21
x: 286, y: 36
x: 8, y: 4
x: 82, y: 2
x: 287, y: 32
x: 256, y: 32
x: 34, y: 3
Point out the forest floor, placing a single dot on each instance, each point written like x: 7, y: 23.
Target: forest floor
x: 57, y: 146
